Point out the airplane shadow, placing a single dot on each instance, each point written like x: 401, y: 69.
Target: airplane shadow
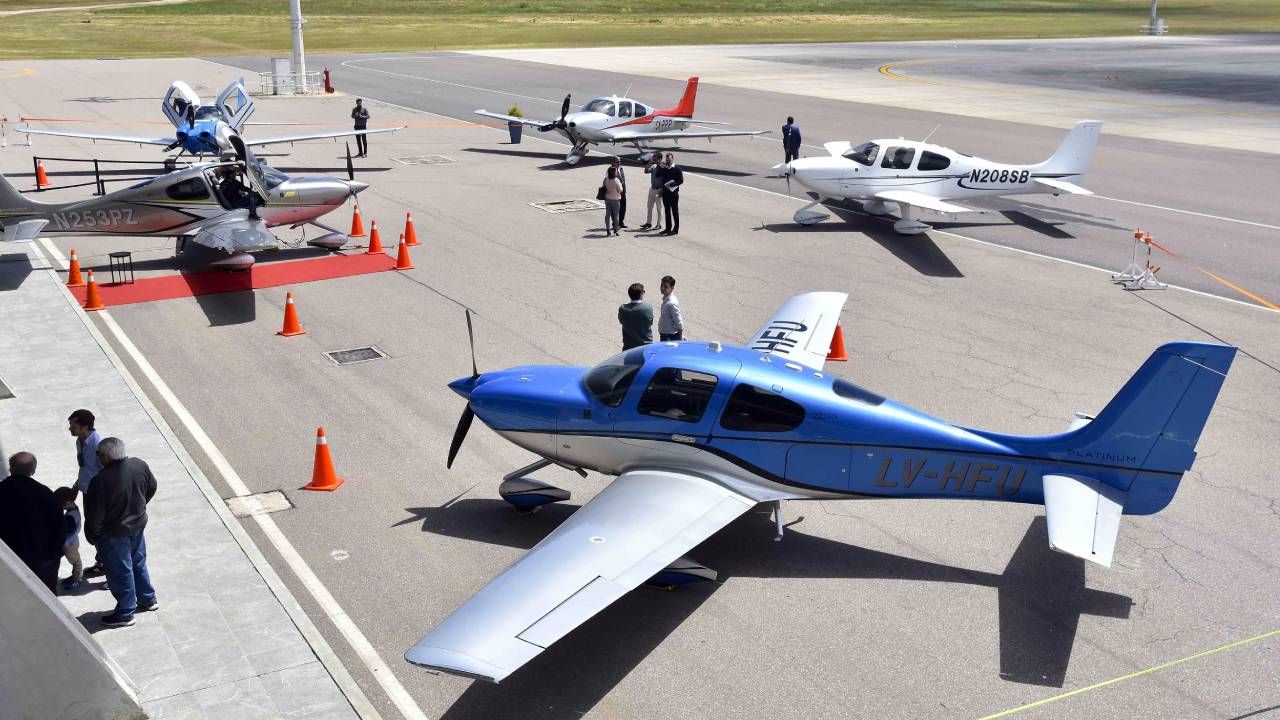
x: 919, y: 252
x: 14, y: 269
x: 1048, y: 228
x: 597, y: 159
x: 1040, y: 597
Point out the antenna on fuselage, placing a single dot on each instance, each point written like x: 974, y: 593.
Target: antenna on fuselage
x: 931, y: 132
x: 627, y: 93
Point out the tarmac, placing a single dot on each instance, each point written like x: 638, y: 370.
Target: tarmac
x: 888, y: 609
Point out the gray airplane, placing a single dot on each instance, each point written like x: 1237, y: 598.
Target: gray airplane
x: 230, y: 206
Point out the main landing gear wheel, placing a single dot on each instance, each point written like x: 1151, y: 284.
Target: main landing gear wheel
x: 907, y: 225
x: 684, y: 571
x: 527, y: 494
x: 807, y: 216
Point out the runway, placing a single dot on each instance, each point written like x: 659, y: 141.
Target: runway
x: 1173, y: 191
x: 891, y: 609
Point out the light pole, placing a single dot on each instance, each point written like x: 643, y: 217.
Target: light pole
x: 299, y: 54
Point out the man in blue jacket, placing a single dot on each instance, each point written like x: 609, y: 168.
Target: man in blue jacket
x: 791, y: 140
x: 672, y: 179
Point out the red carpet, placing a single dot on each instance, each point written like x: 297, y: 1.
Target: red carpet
x: 262, y: 275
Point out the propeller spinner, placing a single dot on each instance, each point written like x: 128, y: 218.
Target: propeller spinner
x: 564, y: 111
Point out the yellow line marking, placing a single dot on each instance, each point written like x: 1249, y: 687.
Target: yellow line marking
x: 1130, y: 676
x: 1215, y: 276
x: 21, y: 72
x: 890, y: 72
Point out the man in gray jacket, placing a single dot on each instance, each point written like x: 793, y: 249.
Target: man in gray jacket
x: 115, y: 515
x: 670, y: 321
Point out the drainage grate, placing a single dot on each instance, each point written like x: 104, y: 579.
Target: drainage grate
x: 355, y: 355
x: 424, y: 160
x: 258, y: 504
x: 568, y: 206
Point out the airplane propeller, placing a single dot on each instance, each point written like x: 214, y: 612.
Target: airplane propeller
x: 464, y: 422
x: 564, y: 111
x: 351, y: 169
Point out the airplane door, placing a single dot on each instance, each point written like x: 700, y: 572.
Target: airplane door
x: 179, y: 104
x: 677, y: 407
x: 235, y: 105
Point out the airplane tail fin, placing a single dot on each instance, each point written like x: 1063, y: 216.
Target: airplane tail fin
x: 1152, y: 425
x: 13, y: 205
x: 1155, y: 421
x: 1075, y: 154
x: 685, y: 107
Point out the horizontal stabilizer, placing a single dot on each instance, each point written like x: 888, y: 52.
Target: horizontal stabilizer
x: 24, y: 231
x: 919, y: 199
x: 1063, y: 186
x: 1083, y: 516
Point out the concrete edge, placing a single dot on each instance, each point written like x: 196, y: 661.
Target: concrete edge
x: 324, y: 653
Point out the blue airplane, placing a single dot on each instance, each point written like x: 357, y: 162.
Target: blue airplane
x: 201, y: 129
x: 698, y: 433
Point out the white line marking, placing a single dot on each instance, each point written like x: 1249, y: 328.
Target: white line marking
x: 354, y: 66
x: 1190, y: 212
x: 328, y: 604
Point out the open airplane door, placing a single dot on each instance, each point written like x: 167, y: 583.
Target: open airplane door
x: 179, y: 104
x: 252, y: 169
x: 235, y: 105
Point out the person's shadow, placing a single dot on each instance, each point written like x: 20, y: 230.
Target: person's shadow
x: 1040, y: 597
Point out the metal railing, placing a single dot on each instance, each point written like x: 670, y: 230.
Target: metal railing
x: 269, y: 83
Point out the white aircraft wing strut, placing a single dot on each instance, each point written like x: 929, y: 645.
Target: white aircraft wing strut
x: 633, y: 529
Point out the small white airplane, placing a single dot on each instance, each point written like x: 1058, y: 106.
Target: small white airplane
x: 202, y: 129
x: 915, y: 174
x: 616, y: 119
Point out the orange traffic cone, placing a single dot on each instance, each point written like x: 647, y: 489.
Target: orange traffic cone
x: 410, y: 235
x: 291, y: 325
x: 403, y: 262
x: 375, y: 240
x: 837, y: 353
x: 357, y: 225
x: 42, y: 180
x: 322, y: 475
x: 73, y: 275
x: 92, y: 301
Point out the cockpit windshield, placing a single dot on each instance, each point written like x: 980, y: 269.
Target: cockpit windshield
x: 608, y: 382
x: 864, y: 154
x: 271, y: 176
x: 599, y: 105
x: 207, y: 112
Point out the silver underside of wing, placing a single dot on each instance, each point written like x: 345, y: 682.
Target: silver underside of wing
x: 237, y: 235
x: 633, y: 529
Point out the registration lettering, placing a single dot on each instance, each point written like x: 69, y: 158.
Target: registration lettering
x: 954, y: 476
x: 777, y: 337
x: 93, y: 219
x: 996, y: 175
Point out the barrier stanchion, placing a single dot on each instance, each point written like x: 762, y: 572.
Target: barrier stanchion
x: 1146, y: 280
x: 1134, y: 270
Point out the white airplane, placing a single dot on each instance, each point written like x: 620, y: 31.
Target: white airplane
x: 205, y: 129
x: 616, y: 119
x: 916, y: 174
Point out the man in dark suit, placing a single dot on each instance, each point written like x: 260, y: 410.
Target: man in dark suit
x: 30, y: 520
x: 115, y: 515
x: 791, y: 140
x: 672, y: 179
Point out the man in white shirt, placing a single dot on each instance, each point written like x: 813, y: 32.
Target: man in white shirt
x: 670, y: 321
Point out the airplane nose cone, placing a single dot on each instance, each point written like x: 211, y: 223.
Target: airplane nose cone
x: 782, y: 168
x: 464, y: 385
x: 356, y: 186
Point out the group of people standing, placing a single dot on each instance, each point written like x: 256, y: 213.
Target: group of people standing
x: 42, y: 526
x: 665, y: 179
x: 636, y: 316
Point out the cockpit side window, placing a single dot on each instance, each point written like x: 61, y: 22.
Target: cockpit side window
x: 641, y: 110
x: 848, y: 390
x: 898, y: 158
x: 678, y: 394
x: 599, y: 105
x: 191, y: 189
x: 624, y: 109
x: 864, y: 154
x: 753, y: 409
x: 609, y: 381
x: 933, y: 161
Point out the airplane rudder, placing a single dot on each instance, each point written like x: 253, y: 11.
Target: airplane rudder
x: 1075, y: 153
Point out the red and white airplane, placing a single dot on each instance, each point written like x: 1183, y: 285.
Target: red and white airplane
x: 616, y: 119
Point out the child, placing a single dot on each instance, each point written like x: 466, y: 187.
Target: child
x: 66, y: 498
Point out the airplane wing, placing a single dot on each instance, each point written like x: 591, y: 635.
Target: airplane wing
x: 801, y: 330
x: 633, y: 529
x: 512, y: 118
x: 316, y: 136
x: 1062, y: 186
x: 95, y: 136
x: 627, y: 136
x: 236, y: 234
x: 919, y: 199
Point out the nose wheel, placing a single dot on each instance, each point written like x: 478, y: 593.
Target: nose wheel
x: 578, y: 152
